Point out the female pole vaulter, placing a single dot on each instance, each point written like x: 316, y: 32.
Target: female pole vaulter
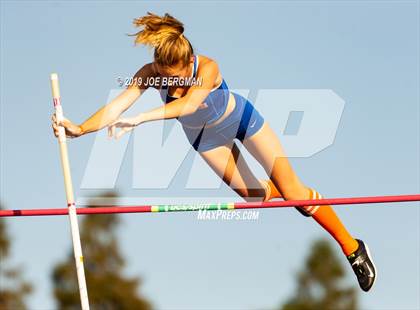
x: 212, y: 117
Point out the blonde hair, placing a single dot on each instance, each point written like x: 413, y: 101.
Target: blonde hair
x: 165, y: 35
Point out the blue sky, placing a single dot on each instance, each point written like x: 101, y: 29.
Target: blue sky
x: 365, y: 52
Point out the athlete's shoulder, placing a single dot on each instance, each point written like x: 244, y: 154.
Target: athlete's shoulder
x: 148, y: 70
x: 205, y: 59
x: 207, y: 63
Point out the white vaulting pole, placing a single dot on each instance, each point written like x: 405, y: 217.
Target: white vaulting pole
x: 77, y: 248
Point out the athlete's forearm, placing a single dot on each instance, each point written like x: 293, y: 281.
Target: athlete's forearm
x: 110, y: 112
x: 102, y: 118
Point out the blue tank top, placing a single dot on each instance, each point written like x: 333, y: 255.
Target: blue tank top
x: 214, y: 105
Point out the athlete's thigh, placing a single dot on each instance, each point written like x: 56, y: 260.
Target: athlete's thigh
x: 266, y: 148
x: 229, y: 164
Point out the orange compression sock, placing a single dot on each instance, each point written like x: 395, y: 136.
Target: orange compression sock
x: 328, y: 219
x: 324, y: 216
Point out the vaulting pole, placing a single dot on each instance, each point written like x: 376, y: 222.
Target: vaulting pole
x: 71, y: 208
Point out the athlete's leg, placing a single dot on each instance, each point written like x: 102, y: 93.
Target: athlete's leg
x: 228, y: 163
x: 267, y: 150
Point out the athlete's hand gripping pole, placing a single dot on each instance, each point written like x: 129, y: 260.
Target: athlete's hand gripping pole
x: 77, y: 248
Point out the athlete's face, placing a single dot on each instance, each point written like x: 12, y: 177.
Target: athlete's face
x: 178, y: 70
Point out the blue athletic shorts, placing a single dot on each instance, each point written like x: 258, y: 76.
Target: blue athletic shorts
x: 241, y: 123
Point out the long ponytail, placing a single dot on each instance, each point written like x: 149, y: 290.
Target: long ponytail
x: 165, y: 35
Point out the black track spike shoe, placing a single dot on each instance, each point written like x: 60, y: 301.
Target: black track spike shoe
x: 363, y: 267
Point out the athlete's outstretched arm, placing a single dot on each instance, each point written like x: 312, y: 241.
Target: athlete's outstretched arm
x: 111, y: 111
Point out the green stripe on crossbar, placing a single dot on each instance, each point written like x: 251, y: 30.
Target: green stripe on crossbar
x: 192, y: 207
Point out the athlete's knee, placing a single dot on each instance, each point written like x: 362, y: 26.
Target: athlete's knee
x: 310, y: 210
x: 257, y: 194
